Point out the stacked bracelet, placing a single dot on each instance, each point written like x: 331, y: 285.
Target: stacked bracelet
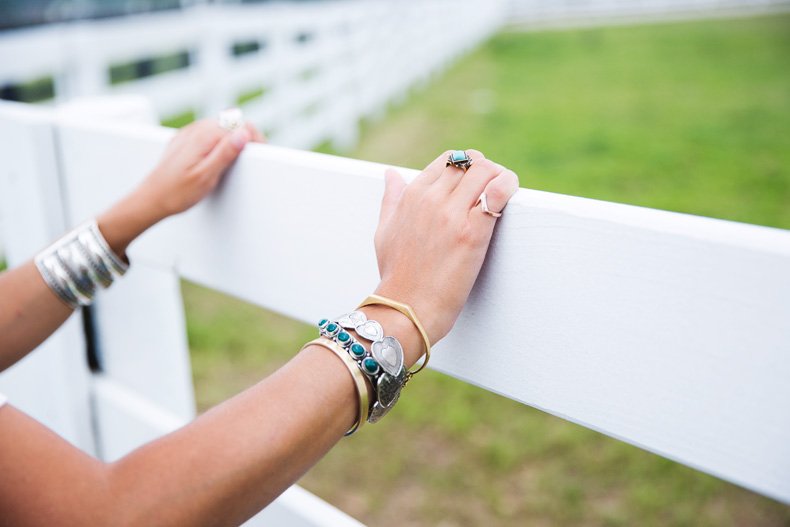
x: 78, y: 264
x: 382, y: 364
x: 356, y: 374
x: 407, y: 310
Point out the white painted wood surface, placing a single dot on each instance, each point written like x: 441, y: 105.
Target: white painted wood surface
x: 665, y: 330
x: 53, y: 384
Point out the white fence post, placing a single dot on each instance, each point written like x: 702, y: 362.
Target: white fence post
x: 51, y: 384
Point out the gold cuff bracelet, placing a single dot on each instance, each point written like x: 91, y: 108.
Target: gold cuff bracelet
x: 407, y: 310
x: 359, y: 378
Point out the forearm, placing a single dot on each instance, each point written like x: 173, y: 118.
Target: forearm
x: 238, y: 457
x: 31, y: 311
x: 218, y: 470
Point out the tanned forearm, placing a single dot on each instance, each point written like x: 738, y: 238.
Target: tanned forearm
x: 219, y: 470
x: 30, y: 311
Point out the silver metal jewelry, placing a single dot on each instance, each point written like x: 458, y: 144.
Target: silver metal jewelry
x: 118, y: 266
x: 387, y: 352
x: 57, y: 280
x: 484, y: 206
x: 388, y: 390
x: 78, y: 264
x: 459, y: 159
x: 231, y: 119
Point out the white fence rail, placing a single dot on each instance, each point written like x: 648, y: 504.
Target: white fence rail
x: 571, y: 13
x: 665, y: 330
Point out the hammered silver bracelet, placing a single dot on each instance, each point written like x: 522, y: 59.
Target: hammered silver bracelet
x: 78, y: 264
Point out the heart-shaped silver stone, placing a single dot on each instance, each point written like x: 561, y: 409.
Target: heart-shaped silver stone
x: 352, y: 320
x: 388, y: 387
x: 389, y: 354
x: 370, y: 330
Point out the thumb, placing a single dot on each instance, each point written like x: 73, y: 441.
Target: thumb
x: 224, y: 153
x: 393, y: 187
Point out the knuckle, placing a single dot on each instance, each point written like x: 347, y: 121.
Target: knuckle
x: 497, y: 195
x: 468, y: 236
x: 475, y: 154
x: 487, y: 166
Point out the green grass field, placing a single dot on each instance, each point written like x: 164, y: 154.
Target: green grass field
x: 692, y: 117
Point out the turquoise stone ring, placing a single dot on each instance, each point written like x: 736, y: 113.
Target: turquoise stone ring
x: 459, y: 159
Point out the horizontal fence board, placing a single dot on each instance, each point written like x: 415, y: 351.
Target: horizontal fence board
x: 665, y: 330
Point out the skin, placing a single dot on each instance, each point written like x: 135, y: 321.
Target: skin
x: 236, y: 458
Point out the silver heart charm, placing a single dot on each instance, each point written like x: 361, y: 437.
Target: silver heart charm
x: 389, y: 354
x: 352, y: 320
x: 370, y: 330
x: 388, y: 387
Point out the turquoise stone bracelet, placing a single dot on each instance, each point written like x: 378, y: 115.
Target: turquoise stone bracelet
x: 386, y: 386
x: 357, y: 351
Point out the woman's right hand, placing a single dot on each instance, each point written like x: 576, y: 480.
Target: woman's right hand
x: 431, y: 239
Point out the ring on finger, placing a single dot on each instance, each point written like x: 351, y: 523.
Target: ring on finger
x: 459, y: 159
x: 483, y: 201
x: 231, y: 119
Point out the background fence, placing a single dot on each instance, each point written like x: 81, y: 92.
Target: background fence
x: 304, y: 72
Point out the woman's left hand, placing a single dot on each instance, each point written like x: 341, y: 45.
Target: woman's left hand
x: 190, y: 168
x: 193, y: 164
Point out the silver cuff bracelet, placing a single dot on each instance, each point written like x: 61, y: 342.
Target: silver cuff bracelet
x: 78, y: 264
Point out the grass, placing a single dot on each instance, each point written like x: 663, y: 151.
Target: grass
x: 180, y: 119
x: 692, y: 117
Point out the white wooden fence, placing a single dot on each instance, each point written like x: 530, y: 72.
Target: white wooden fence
x: 572, y: 13
x: 667, y: 331
x: 316, y: 68
x: 322, y: 66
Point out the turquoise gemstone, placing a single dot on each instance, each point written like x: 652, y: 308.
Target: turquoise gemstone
x: 331, y: 327
x: 357, y: 350
x: 343, y: 336
x: 370, y: 365
x: 458, y: 155
x: 323, y: 323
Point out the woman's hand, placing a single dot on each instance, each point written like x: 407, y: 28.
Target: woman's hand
x: 193, y: 164
x: 190, y: 168
x: 431, y: 239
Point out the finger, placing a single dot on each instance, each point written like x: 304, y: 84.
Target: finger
x: 469, y: 187
x: 432, y: 171
x: 498, y: 192
x: 255, y: 134
x: 224, y: 153
x: 393, y: 187
x: 452, y: 176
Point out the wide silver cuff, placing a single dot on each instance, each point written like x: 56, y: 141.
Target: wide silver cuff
x: 78, y: 264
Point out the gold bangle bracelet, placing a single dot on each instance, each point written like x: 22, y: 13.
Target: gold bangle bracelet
x: 359, y: 378
x: 407, y: 310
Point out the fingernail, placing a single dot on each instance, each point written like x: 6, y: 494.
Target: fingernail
x: 240, y: 137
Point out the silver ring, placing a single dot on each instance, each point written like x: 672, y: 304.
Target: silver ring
x: 231, y: 119
x: 459, y: 159
x: 484, y: 206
